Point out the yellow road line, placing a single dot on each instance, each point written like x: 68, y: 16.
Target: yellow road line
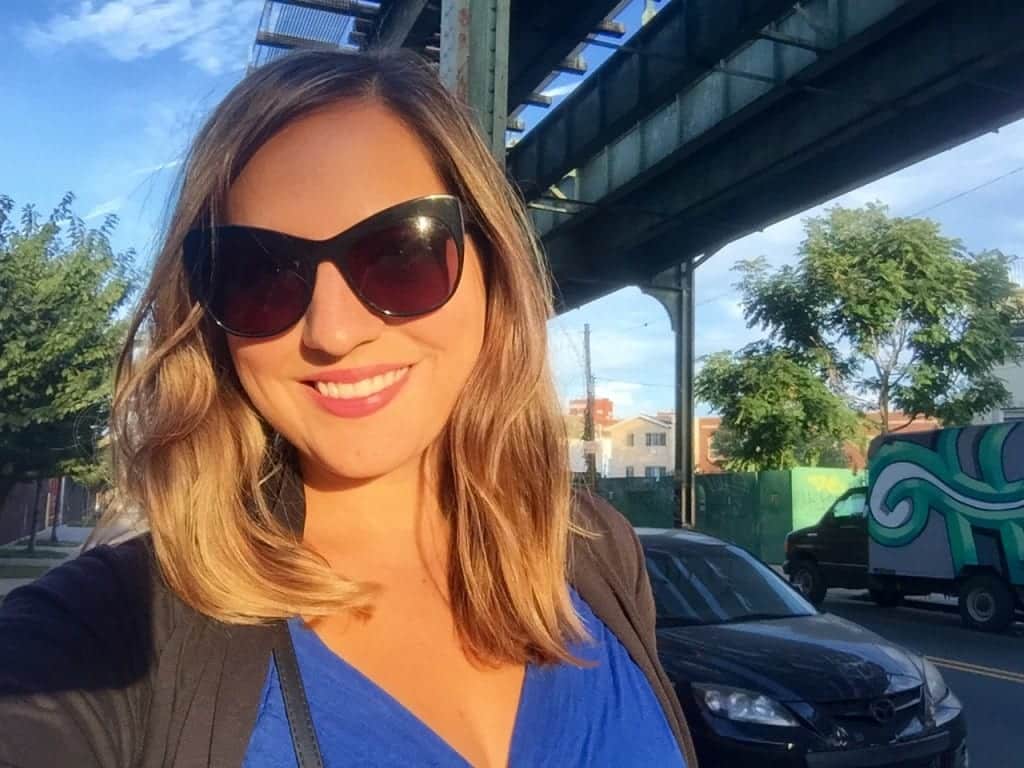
x: 978, y: 669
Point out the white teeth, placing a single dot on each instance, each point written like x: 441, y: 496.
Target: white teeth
x: 362, y: 388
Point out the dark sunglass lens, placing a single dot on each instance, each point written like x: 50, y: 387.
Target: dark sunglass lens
x: 255, y: 291
x: 406, y: 269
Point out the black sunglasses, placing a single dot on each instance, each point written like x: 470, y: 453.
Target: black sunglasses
x: 405, y: 261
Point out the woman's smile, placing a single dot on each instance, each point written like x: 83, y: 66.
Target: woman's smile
x: 356, y: 392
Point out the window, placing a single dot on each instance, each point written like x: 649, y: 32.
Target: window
x: 654, y: 472
x: 630, y: 442
x: 1013, y: 414
x: 713, y: 454
x: 655, y: 438
x: 629, y: 470
x: 850, y: 506
x: 715, y: 584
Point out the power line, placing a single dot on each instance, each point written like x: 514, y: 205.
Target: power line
x: 966, y: 192
x: 713, y: 299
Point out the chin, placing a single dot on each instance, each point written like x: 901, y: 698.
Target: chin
x: 360, y: 465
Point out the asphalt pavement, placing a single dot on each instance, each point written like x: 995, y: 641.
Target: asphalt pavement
x: 986, y: 671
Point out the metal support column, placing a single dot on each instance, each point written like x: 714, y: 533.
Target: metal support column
x: 474, y: 62
x: 674, y: 289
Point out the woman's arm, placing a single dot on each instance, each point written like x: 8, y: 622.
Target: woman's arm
x: 74, y: 664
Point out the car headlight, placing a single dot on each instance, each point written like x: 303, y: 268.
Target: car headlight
x: 937, y: 688
x: 742, y: 705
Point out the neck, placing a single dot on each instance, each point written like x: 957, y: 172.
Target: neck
x: 391, y: 521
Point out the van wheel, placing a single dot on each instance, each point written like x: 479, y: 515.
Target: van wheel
x: 986, y: 603
x: 806, y: 577
x: 887, y: 598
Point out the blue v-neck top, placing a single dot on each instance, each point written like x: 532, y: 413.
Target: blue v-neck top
x: 601, y: 715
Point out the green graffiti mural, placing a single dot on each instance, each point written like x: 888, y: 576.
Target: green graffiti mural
x: 908, y: 480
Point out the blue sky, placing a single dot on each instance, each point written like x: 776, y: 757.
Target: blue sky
x: 102, y: 97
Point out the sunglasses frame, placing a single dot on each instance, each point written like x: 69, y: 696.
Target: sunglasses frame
x: 200, y: 253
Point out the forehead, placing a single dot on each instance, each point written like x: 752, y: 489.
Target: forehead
x: 331, y: 169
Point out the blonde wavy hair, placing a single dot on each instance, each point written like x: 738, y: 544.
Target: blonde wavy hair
x: 194, y: 456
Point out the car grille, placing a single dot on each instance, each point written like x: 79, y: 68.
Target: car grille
x: 861, y: 710
x: 860, y: 719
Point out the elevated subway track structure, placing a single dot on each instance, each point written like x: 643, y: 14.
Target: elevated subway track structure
x: 715, y: 119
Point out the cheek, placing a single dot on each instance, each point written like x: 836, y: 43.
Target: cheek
x: 465, y: 323
x: 255, y: 364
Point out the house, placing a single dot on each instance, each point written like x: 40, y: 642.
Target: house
x: 1012, y: 376
x: 577, y: 453
x: 603, y: 410
x: 642, y: 446
x: 705, y: 457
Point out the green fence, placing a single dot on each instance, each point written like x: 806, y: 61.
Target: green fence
x: 754, y: 510
x: 757, y: 510
x: 646, y: 502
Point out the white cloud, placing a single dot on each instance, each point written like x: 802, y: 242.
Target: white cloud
x: 107, y: 207
x: 627, y: 398
x: 155, y: 168
x: 214, y: 35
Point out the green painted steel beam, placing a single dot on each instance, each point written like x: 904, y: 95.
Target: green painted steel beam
x: 733, y: 153
x: 673, y: 50
x: 291, y: 42
x: 474, y: 62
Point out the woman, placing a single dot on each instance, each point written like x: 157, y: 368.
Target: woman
x: 345, y: 440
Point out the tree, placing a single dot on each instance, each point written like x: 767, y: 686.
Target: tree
x: 776, y: 411
x: 894, y: 314
x: 63, y: 290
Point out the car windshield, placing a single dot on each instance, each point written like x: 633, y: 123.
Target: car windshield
x: 717, y: 585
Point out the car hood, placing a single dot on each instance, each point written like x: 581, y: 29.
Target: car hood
x: 800, y: 533
x: 816, y: 658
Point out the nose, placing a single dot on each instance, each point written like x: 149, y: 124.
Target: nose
x: 336, y: 322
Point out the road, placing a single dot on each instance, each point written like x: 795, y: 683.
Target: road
x: 985, y: 671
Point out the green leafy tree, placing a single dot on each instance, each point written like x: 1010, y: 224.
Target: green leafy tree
x: 776, y: 411
x: 894, y: 314
x: 63, y: 290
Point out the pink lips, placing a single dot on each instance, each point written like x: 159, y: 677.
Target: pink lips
x: 358, y: 406
x: 352, y: 375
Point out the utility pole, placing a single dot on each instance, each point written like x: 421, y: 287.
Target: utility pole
x: 589, y: 446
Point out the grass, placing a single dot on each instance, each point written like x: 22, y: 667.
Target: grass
x: 22, y: 571
x: 40, y: 554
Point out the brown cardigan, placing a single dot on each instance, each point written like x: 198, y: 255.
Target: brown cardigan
x: 102, y: 665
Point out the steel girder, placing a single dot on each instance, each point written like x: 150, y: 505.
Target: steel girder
x: 542, y: 34
x: 675, y: 48
x: 735, y: 153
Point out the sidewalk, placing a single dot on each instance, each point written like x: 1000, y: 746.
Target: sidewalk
x: 17, y: 571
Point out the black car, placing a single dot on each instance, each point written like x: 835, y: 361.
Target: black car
x: 768, y: 681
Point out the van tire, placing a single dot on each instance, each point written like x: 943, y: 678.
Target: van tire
x: 806, y: 577
x: 986, y: 603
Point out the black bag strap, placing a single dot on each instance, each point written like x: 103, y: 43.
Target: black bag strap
x: 296, y: 706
